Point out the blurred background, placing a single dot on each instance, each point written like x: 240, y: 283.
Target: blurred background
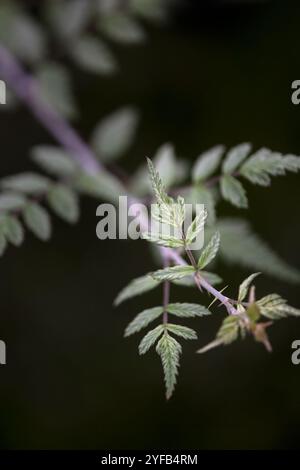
x: 217, y: 72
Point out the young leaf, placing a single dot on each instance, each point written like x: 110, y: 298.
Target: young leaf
x: 10, y: 201
x: 196, y: 227
x: 54, y: 160
x: 143, y: 319
x: 115, y: 134
x: 157, y: 185
x: 233, y: 191
x: 244, y: 287
x: 149, y: 340
x: 64, y: 202
x: 37, y: 220
x: 122, y: 28
x: 235, y: 157
x: 13, y: 230
x: 207, y: 163
x: 274, y: 307
x: 172, y: 273
x: 27, y: 183
x: 228, y: 333
x: 93, y: 55
x: 210, y: 251
x: 185, y: 310
x: 183, y: 331
x: 136, y: 287
x: 163, y: 240
x: 169, y: 351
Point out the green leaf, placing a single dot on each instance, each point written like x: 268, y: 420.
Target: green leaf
x: 149, y: 340
x: 149, y: 9
x: 172, y: 273
x: 210, y: 251
x: 163, y: 240
x: 102, y: 185
x: 157, y: 185
x: 143, y: 319
x: 28, y: 183
x: 64, y: 202
x: 261, y: 165
x: 199, y: 194
x: 68, y: 19
x: 185, y: 310
x: 55, y: 88
x: 241, y: 246
x: 3, y: 242
x: 115, y: 134
x: 136, y: 287
x: 235, y: 157
x: 274, y: 307
x: 233, y: 191
x: 171, y: 171
x: 189, y: 281
x: 11, y: 201
x: 169, y: 351
x: 207, y: 163
x: 291, y: 163
x: 13, y: 230
x: 196, y: 227
x: 244, y: 287
x: 93, y: 55
x: 54, y: 160
x: 122, y: 28
x: 253, y: 313
x: 37, y: 220
x: 227, y: 334
x: 183, y: 331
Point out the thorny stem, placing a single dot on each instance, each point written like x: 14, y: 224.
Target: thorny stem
x: 26, y: 89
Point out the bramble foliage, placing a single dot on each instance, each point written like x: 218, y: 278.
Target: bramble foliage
x: 85, y: 33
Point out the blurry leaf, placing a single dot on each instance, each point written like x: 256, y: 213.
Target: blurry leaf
x: 170, y: 170
x: 233, y: 191
x: 136, y: 287
x: 55, y: 88
x: 28, y: 183
x: 115, y: 134
x: 64, y: 202
x: 261, y: 165
x: 239, y: 245
x: 227, y: 334
x: 196, y: 227
x: 207, y: 163
x: 122, y: 28
x: 199, y: 194
x: 185, y: 310
x: 253, y: 312
x: 103, y: 185
x: 244, y: 287
x: 189, y: 281
x: 149, y: 340
x: 93, y: 55
x: 169, y: 351
x: 37, y: 220
x: 153, y: 10
x: 68, y: 18
x: 235, y: 157
x: 3, y: 242
x: 143, y: 319
x: 210, y: 251
x: 163, y: 240
x: 54, y: 160
x: 172, y: 273
x: 183, y: 331
x: 13, y: 230
x: 10, y: 201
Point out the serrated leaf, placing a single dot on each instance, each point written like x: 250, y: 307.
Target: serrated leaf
x: 291, y: 163
x: 163, y: 240
x: 55, y: 88
x: 275, y: 307
x: 210, y: 251
x: 27, y: 183
x: 186, y: 310
x: 196, y: 227
x: 136, y: 287
x: 207, y: 163
x: 10, y: 201
x: 143, y: 319
x: 101, y: 185
x: 91, y: 54
x: 189, y: 281
x: 122, y: 28
x: 235, y: 157
x: 114, y: 134
x: 241, y: 246
x: 227, y: 334
x: 37, y: 220
x: 54, y: 160
x: 169, y: 351
x: 158, y: 186
x: 13, y: 230
x: 64, y: 202
x: 149, y: 340
x: 172, y: 273
x: 233, y: 191
x: 261, y: 165
x: 244, y: 287
x: 183, y: 331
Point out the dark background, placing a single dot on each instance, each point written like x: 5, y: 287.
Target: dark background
x: 221, y: 72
